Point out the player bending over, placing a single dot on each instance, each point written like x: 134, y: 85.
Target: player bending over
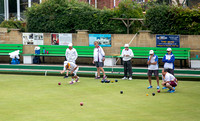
x: 169, y: 81
x: 73, y: 68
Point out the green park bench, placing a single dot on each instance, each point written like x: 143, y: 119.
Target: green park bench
x: 143, y: 53
x: 59, y: 51
x: 5, y: 49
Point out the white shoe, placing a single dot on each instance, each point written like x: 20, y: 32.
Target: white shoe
x: 130, y: 78
x: 124, y: 78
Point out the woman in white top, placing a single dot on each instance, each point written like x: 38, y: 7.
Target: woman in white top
x: 98, y: 59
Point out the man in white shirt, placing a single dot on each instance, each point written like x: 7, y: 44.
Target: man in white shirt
x: 71, y: 56
x: 73, y: 68
x: 169, y: 81
x: 98, y: 60
x: 153, y: 68
x: 127, y: 55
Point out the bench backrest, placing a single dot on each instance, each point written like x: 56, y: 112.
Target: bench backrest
x: 60, y: 49
x: 143, y: 52
x: 5, y: 49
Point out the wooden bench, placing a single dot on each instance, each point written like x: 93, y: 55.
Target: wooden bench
x: 5, y: 49
x: 59, y: 51
x: 143, y: 53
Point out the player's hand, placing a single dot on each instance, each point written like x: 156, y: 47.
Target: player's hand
x: 103, y: 59
x: 93, y: 61
x: 61, y: 72
x: 72, y: 72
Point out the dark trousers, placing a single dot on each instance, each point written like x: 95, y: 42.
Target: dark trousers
x: 127, y: 67
x: 171, y: 71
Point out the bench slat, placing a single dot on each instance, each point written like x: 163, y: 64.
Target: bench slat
x: 143, y: 52
x: 5, y: 49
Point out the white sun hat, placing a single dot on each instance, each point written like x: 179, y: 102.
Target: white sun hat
x: 169, y: 49
x: 126, y: 45
x: 151, y: 52
x: 70, y: 44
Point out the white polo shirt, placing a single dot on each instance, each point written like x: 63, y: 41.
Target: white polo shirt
x: 98, y: 54
x: 71, y: 67
x: 153, y: 59
x: 127, y: 52
x: 168, y: 77
x: 71, y: 55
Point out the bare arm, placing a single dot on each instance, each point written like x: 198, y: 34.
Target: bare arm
x: 62, y: 71
x: 154, y: 63
x: 149, y: 61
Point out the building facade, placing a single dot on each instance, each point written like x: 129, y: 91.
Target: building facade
x: 106, y: 3
x: 14, y: 8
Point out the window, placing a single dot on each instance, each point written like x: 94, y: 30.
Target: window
x: 140, y: 1
x: 1, y: 10
x: 36, y: 1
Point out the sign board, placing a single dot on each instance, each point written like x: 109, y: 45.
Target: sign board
x: 168, y: 41
x: 33, y: 38
x: 103, y: 39
x: 61, y: 39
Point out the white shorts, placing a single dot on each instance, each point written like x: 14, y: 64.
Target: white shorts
x: 75, y: 72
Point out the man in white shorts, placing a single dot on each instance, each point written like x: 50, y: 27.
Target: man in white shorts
x: 73, y: 68
x: 169, y: 81
x: 71, y: 56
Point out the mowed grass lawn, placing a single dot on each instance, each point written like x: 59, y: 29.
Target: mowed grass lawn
x: 40, y: 98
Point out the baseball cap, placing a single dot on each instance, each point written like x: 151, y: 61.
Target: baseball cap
x: 126, y: 45
x: 151, y: 52
x: 70, y: 44
x: 169, y: 49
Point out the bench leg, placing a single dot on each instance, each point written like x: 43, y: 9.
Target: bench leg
x: 181, y: 65
x: 43, y: 59
x: 121, y: 61
x: 185, y: 63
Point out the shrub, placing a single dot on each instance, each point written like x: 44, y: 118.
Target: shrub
x: 162, y: 19
x: 61, y: 16
x: 14, y: 24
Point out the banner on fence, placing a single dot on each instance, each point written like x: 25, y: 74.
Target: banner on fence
x: 61, y: 39
x: 103, y: 39
x: 168, y: 41
x: 33, y: 38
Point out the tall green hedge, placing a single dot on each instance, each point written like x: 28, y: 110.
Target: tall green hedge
x: 163, y: 19
x: 64, y: 16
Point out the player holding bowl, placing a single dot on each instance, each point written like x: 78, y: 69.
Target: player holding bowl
x: 73, y: 68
